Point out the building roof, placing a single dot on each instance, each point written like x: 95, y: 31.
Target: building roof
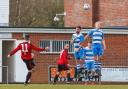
x: 60, y: 30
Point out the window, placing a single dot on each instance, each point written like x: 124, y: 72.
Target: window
x: 56, y: 45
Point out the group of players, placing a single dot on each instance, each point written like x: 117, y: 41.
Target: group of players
x: 86, y: 57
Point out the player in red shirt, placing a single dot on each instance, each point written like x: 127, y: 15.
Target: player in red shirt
x: 27, y: 55
x: 63, y: 63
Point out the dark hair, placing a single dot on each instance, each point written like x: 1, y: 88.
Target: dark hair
x: 90, y: 42
x: 78, y: 27
x: 26, y: 37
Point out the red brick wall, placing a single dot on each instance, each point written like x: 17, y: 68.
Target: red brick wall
x: 117, y: 50
x: 112, y: 12
x: 76, y: 15
x: 115, y: 55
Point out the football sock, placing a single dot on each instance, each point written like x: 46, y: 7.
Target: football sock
x: 28, y: 77
x: 68, y: 76
x: 56, y: 78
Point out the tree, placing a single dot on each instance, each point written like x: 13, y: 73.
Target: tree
x: 35, y: 13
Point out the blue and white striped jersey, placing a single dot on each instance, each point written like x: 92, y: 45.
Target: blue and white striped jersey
x: 77, y: 39
x: 97, y: 35
x: 88, y: 54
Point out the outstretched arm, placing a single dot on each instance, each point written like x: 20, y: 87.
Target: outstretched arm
x: 14, y: 51
x: 86, y: 37
x: 39, y: 49
x: 88, y: 34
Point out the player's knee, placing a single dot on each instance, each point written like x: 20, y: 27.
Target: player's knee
x: 58, y: 73
x: 68, y: 71
x: 30, y: 71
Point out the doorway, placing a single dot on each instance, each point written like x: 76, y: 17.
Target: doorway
x: 7, y: 64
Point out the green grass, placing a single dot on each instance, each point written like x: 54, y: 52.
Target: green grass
x: 64, y: 86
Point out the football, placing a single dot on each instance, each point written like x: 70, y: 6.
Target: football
x: 86, y: 6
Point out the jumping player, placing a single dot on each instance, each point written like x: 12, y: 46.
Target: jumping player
x: 98, y: 41
x: 77, y: 39
x: 89, y: 60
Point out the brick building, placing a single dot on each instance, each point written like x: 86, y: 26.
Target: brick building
x: 115, y: 55
x: 111, y: 12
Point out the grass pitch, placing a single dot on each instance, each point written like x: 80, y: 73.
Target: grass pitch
x: 64, y: 86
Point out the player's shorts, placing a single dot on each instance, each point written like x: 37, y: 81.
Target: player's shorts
x: 97, y: 49
x: 29, y: 63
x: 78, y: 55
x: 90, y: 65
x: 62, y: 67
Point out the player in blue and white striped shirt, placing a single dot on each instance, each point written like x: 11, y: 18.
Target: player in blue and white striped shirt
x: 89, y: 60
x: 77, y: 39
x: 89, y: 57
x: 98, y: 42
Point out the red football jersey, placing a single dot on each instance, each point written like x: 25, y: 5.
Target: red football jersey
x: 63, y: 57
x: 26, y: 50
